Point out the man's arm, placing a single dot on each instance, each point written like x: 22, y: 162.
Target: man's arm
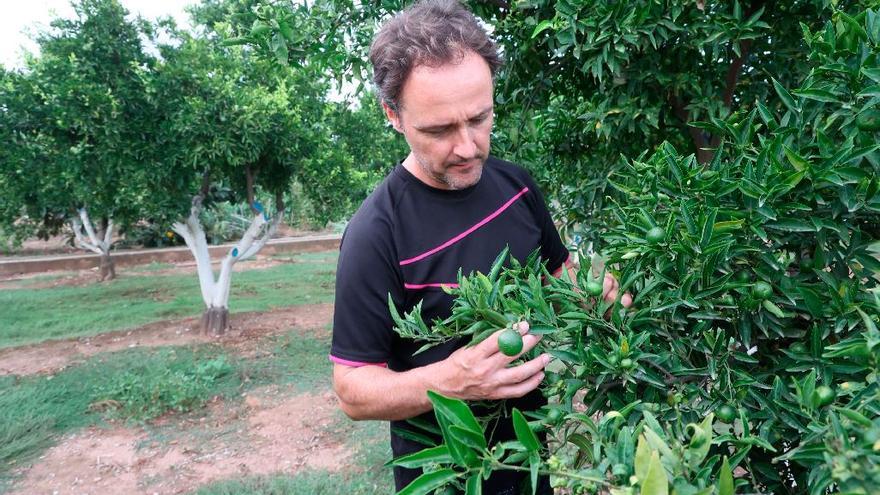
x: 470, y: 373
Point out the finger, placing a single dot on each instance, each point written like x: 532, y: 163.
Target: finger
x: 626, y: 300
x: 609, y: 284
x: 501, y: 360
x: 489, y: 346
x: 519, y: 389
x: 518, y: 374
x: 611, y: 296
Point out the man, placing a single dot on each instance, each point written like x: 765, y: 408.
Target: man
x: 448, y: 205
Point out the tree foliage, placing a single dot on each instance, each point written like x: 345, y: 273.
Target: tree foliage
x: 752, y: 345
x: 590, y: 82
x: 74, y: 120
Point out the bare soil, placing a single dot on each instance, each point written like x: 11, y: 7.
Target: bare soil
x: 270, y: 431
x: 266, y: 434
x: 246, y: 330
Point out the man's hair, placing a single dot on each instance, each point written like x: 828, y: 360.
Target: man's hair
x: 428, y: 33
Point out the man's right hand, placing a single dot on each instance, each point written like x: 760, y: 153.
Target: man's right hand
x: 482, y: 372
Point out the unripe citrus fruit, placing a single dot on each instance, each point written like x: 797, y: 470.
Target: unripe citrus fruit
x: 594, y: 288
x: 510, y: 342
x: 655, y: 236
x: 762, y: 290
x: 726, y: 413
x: 823, y: 396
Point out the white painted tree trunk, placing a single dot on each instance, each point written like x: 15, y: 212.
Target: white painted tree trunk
x: 98, y: 243
x: 215, y: 290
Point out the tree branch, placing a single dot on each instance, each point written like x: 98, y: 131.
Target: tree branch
x: 206, y: 184
x: 680, y: 110
x: 249, y: 177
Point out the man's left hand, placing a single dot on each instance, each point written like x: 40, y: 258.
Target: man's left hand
x: 610, y: 287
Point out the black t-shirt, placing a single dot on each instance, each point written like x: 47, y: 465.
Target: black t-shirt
x: 408, y: 239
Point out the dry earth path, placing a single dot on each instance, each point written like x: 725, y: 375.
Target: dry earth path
x: 267, y: 433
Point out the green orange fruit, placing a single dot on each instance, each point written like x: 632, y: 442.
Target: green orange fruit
x: 823, y: 396
x: 510, y: 342
x: 726, y: 413
x: 655, y: 236
x: 762, y: 290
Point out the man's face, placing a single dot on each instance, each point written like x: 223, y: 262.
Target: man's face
x: 446, y: 117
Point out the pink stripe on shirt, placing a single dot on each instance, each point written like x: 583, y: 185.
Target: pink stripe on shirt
x: 354, y: 364
x: 468, y: 231
x: 425, y: 286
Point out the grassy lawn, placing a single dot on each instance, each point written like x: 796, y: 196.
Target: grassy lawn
x: 138, y: 297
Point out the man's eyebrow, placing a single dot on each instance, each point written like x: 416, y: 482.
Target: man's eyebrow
x: 439, y: 127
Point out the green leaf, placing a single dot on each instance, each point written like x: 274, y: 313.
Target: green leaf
x: 534, y: 464
x: 435, y: 455
x: 817, y: 94
x: 428, y: 482
x: 656, y: 482
x: 796, y: 160
x: 524, y: 433
x: 456, y: 411
x: 873, y: 73
x: 543, y: 25
x: 474, y: 485
x: 785, y: 96
x: 474, y: 440
x: 725, y: 479
x: 643, y: 458
x: 773, y: 308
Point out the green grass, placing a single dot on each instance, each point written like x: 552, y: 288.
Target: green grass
x: 35, y: 315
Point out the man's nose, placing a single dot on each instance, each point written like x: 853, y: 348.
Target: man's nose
x: 465, y: 147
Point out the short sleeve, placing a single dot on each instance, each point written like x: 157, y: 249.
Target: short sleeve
x: 552, y: 248
x: 365, y: 275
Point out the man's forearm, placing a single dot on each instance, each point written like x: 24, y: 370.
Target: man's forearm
x: 373, y: 392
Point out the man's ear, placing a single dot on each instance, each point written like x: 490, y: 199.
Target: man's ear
x: 393, y: 117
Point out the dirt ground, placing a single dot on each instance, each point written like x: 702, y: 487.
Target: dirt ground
x: 269, y: 431
x: 266, y: 434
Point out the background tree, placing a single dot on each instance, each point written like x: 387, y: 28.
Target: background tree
x: 250, y: 127
x: 78, y: 144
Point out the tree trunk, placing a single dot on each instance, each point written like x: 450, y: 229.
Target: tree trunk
x: 215, y: 321
x: 108, y: 268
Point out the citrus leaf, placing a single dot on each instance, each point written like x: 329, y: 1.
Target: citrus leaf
x: 428, y: 482
x: 435, y: 455
x: 725, y: 479
x: 656, y: 481
x: 524, y: 434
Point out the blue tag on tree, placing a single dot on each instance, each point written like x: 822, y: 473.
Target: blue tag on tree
x: 235, y: 252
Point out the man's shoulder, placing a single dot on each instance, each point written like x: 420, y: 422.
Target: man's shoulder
x: 376, y: 214
x: 509, y: 170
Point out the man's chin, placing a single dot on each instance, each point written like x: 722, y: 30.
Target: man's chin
x: 464, y: 179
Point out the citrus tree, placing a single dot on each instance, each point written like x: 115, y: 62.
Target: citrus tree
x: 749, y: 361
x: 238, y: 127
x: 589, y: 82
x: 74, y: 118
